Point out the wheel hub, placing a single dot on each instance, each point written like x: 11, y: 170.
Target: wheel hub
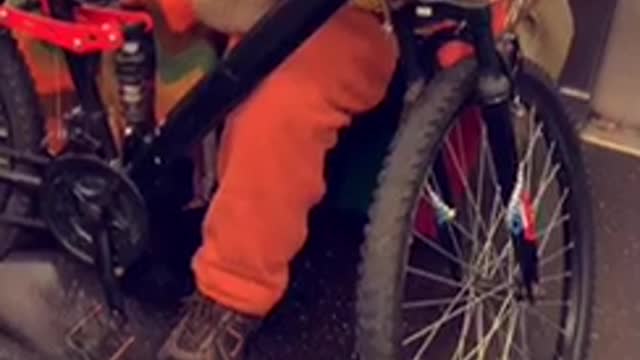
x: 83, y: 197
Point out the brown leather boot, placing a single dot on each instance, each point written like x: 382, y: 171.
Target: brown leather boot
x: 209, y: 331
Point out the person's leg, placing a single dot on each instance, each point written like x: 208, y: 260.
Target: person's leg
x: 273, y: 155
x: 272, y: 173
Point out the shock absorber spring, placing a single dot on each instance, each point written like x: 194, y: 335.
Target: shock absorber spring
x: 135, y: 71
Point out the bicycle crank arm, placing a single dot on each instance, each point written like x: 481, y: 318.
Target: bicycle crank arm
x: 24, y: 222
x: 21, y: 178
x: 106, y: 273
x: 17, y: 155
x: 29, y: 181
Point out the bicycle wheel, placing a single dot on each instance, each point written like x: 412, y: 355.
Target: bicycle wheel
x: 21, y: 128
x: 421, y: 297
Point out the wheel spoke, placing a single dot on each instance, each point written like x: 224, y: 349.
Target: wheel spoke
x: 527, y: 159
x: 556, y: 254
x: 503, y: 313
x: 452, y: 314
x: 481, y: 165
x: 462, y: 340
x: 545, y: 185
x: 499, y: 257
x: 480, y: 326
x: 524, y: 338
x: 485, y: 151
x: 555, y: 277
x: 459, y: 227
x: 432, y: 243
x: 518, y: 320
x: 532, y: 310
x: 548, y: 160
x: 448, y: 313
x: 518, y: 350
x: 509, y: 341
x: 419, y: 304
x: 498, y: 211
x: 546, y: 233
x: 465, y: 183
x: 432, y: 276
x: 506, y: 250
x: 461, y: 147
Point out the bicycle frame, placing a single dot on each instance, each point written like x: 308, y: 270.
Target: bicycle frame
x: 267, y: 45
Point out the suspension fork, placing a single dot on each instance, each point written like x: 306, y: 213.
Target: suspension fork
x: 494, y: 88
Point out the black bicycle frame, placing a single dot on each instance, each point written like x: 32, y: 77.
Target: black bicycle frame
x: 266, y: 46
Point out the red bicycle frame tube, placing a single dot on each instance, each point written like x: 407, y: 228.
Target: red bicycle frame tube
x: 94, y: 29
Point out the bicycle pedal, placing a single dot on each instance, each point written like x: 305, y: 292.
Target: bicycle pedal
x: 97, y: 336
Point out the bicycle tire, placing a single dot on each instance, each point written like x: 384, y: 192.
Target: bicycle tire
x: 381, y: 284
x: 21, y: 114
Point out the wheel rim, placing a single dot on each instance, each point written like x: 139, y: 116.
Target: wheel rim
x: 474, y: 308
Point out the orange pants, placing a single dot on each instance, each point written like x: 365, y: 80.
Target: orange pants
x: 272, y: 158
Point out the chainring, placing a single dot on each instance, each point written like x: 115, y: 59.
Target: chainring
x: 83, y: 196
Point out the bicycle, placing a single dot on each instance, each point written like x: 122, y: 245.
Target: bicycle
x: 95, y: 197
